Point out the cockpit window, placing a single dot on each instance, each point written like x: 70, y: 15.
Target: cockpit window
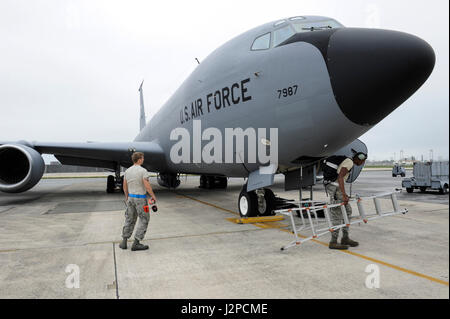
x: 303, y: 26
x: 262, y: 42
x: 282, y: 34
x: 292, y: 26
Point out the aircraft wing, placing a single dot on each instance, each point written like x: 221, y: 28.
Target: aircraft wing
x: 105, y: 155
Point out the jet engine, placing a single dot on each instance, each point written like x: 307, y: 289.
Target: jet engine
x: 168, y: 180
x: 21, y: 168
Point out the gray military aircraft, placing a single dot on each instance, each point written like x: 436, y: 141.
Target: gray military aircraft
x: 322, y: 85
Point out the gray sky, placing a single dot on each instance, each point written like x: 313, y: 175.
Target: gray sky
x: 70, y: 70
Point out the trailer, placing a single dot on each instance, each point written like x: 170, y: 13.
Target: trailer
x: 428, y: 175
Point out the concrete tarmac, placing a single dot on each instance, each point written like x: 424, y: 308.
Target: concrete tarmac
x: 64, y: 225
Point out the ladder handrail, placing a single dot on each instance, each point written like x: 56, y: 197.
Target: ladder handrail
x: 317, y: 232
x: 319, y: 207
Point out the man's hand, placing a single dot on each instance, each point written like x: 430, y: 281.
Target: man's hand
x: 345, y: 198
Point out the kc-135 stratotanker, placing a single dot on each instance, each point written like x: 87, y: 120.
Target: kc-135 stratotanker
x: 320, y: 84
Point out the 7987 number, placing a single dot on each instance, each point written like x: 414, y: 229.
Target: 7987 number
x: 289, y: 91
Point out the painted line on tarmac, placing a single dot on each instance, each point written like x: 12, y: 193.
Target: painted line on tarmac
x: 268, y: 226
x: 115, y: 271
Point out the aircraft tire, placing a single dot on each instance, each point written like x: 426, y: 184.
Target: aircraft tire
x: 203, y: 181
x: 121, y: 182
x: 269, y: 206
x: 209, y: 182
x: 222, y: 182
x: 110, y: 184
x: 247, y: 203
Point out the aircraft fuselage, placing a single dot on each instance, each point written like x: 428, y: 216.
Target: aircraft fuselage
x: 288, y: 87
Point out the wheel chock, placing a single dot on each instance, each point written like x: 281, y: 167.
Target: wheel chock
x: 261, y: 219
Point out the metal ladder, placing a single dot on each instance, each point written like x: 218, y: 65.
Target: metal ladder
x: 319, y: 228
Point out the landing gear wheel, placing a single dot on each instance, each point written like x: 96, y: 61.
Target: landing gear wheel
x: 209, y: 183
x: 121, y: 183
x: 266, y: 204
x: 222, y: 182
x: 247, y: 203
x: 110, y: 184
x: 203, y: 181
x: 410, y: 190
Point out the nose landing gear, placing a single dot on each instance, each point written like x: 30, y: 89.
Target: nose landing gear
x: 261, y: 202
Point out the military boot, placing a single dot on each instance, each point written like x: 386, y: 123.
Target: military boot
x: 123, y: 244
x: 138, y: 246
x: 334, y: 245
x: 349, y: 242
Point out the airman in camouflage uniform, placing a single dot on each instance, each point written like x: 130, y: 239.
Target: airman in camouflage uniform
x: 335, y: 187
x: 135, y: 187
x: 336, y: 214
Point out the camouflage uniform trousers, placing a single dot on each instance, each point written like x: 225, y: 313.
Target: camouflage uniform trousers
x: 135, y: 209
x: 336, y: 197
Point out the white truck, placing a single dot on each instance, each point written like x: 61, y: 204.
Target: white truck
x: 433, y: 175
x: 398, y: 170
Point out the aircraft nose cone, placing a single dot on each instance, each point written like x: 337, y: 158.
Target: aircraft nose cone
x: 374, y: 71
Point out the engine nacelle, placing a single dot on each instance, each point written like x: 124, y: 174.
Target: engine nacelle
x: 21, y: 168
x: 168, y: 180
